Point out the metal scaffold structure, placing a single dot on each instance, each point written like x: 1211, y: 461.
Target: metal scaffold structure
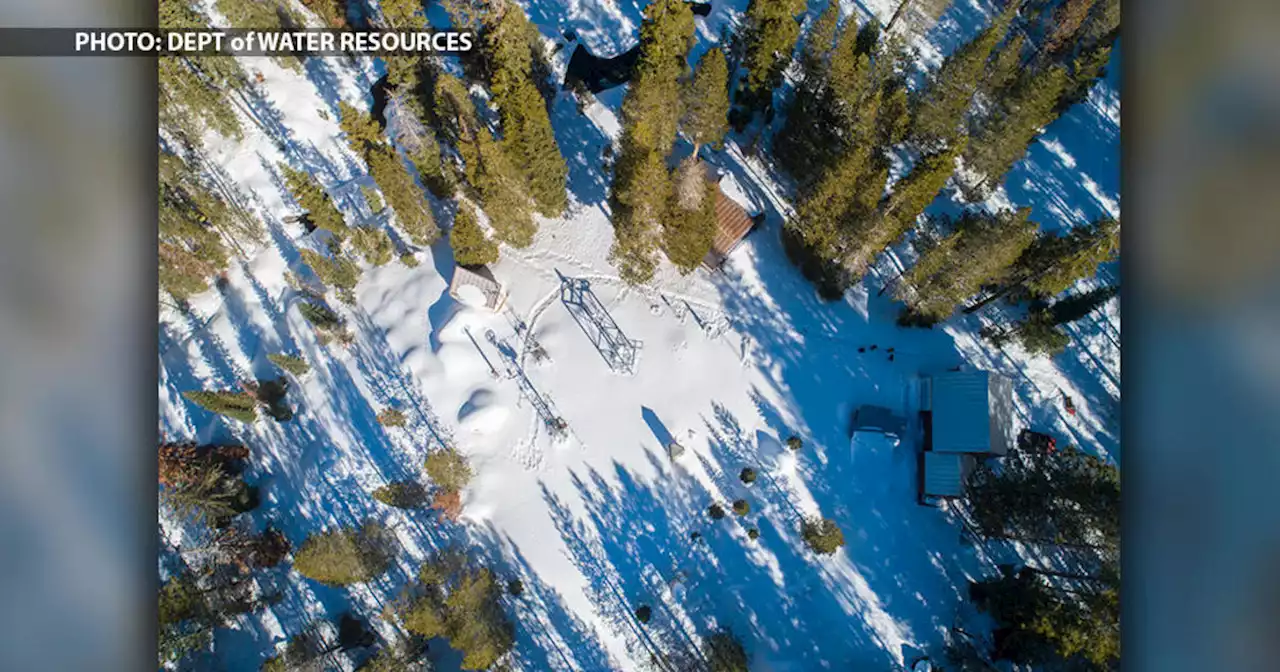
x: 619, y: 352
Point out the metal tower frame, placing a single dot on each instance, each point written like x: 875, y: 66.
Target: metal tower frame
x: 618, y: 351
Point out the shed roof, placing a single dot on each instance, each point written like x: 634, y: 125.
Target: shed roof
x: 493, y: 294
x: 972, y: 412
x: 943, y: 474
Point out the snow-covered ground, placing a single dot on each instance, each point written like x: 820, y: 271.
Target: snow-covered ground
x: 730, y: 365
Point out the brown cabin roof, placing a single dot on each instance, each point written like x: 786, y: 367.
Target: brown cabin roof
x: 732, y: 222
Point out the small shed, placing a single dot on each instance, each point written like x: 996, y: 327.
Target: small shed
x: 944, y: 474
x: 476, y: 287
x: 735, y: 217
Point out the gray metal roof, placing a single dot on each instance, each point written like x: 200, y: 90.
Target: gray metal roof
x: 943, y: 474
x: 972, y: 412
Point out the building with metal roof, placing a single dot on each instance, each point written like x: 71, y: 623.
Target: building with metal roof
x: 971, y: 412
x: 944, y: 474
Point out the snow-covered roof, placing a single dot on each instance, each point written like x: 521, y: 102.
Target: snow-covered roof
x: 730, y: 187
x: 972, y: 412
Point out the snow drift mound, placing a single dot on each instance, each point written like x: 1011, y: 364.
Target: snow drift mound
x: 481, y: 414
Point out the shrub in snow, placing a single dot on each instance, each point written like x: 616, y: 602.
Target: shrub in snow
x: 449, y: 469
x: 1039, y: 336
x: 235, y: 405
x: 822, y: 535
x: 794, y: 442
x: 371, y: 197
x: 715, y: 511
x: 319, y: 316
x: 515, y: 587
x: 409, y: 260
x: 402, y: 495
x: 741, y: 507
x: 391, y: 417
x: 753, y: 534
x: 644, y: 613
x: 344, y: 556
x: 724, y: 653
x: 295, y: 365
x: 207, y: 491
x: 748, y: 475
x: 339, y: 273
x: 346, y: 296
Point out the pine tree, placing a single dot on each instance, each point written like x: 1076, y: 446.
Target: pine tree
x: 332, y: 13
x: 413, y: 213
x: 403, y: 495
x: 822, y: 535
x: 291, y: 363
x: 448, y: 469
x: 1002, y: 68
x: 362, y: 130
x: 1075, y: 307
x: 1039, y: 336
x: 374, y: 244
x: 461, y: 604
x: 1054, y: 263
x: 319, y: 316
x: 1089, y: 67
x: 819, y: 41
x: 489, y: 171
x: 344, y: 556
x: 471, y: 246
x: 980, y: 250
x: 190, y: 219
x: 689, y: 228
x: 235, y: 405
x: 312, y: 198
x: 1003, y: 137
x: 263, y: 16
x: 651, y: 114
x: 945, y: 98
x: 706, y: 102
x: 770, y: 37
x: 340, y: 273
x: 527, y: 134
x: 1068, y: 18
x: 403, y: 14
x: 193, y: 91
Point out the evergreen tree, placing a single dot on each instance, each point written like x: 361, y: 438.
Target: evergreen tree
x: 193, y: 91
x: 1054, y: 263
x: 769, y: 38
x: 344, y: 556
x: 981, y: 249
x: 1073, y: 308
x: 340, y: 273
x: 190, y: 219
x: 689, y: 228
x: 403, y: 14
x: 1002, y: 68
x: 448, y: 469
x: 319, y: 316
x: 822, y: 535
x: 374, y: 244
x: 403, y: 495
x: 313, y: 199
x: 489, y: 171
x: 1039, y: 336
x: 1089, y: 67
x: 943, y: 101
x: 725, y: 653
x: 413, y: 213
x: 291, y: 363
x: 650, y: 115
x: 819, y: 42
x: 362, y: 130
x: 262, y: 15
x: 527, y: 134
x: 1068, y: 18
x: 706, y: 102
x: 1003, y: 137
x: 332, y: 13
x: 207, y: 493
x: 471, y: 246
x: 235, y: 405
x: 461, y: 604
